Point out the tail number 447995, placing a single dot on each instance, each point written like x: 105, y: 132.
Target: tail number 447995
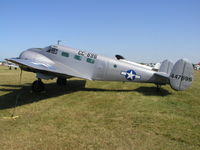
x: 183, y: 78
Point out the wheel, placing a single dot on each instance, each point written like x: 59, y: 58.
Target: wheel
x: 38, y: 86
x: 61, y: 81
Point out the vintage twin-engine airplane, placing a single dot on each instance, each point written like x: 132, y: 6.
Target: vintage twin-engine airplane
x: 62, y: 62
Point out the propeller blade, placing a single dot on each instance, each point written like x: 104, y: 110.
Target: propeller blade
x: 20, y: 77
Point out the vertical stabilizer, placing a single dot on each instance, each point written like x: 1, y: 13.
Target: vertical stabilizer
x: 182, y: 75
x: 166, y: 66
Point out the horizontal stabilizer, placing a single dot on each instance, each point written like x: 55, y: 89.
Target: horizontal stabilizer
x: 162, y: 74
x: 161, y: 78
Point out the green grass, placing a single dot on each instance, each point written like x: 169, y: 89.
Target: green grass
x: 97, y: 115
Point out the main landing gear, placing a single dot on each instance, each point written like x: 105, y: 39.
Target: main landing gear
x: 61, y: 81
x: 158, y: 87
x: 38, y: 85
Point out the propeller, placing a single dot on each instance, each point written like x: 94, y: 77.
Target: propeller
x: 16, y: 100
x: 18, y: 96
x: 20, y: 76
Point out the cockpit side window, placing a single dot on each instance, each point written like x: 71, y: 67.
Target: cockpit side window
x: 52, y: 50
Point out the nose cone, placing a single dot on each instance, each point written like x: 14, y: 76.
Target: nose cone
x: 35, y: 56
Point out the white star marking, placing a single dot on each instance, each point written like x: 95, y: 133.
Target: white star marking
x: 131, y: 75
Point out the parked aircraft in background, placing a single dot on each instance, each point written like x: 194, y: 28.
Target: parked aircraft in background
x: 63, y: 62
x: 196, y: 66
x: 11, y: 65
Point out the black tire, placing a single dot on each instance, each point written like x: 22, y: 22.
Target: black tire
x: 38, y: 86
x: 61, y: 81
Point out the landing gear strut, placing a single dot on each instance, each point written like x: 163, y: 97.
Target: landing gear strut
x: 38, y: 86
x: 61, y: 81
x: 158, y: 86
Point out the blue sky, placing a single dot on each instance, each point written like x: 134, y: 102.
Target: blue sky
x: 141, y: 31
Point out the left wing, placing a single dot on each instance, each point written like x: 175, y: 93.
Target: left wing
x: 57, y: 69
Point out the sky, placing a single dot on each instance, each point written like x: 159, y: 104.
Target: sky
x: 140, y: 30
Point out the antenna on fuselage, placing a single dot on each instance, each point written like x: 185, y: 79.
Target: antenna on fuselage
x: 58, y: 42
x: 119, y: 57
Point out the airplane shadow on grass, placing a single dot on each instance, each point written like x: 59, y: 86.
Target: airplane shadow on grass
x: 23, y: 94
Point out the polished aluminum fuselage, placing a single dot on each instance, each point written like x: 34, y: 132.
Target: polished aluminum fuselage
x: 102, y: 68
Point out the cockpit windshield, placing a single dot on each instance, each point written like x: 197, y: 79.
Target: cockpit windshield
x: 51, y: 49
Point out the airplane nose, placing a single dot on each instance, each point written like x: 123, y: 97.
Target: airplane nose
x: 25, y: 55
x: 35, y: 57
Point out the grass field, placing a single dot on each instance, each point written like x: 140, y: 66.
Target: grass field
x: 97, y: 115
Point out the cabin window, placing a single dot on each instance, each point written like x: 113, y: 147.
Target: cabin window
x: 77, y: 57
x: 115, y: 66
x: 65, y: 54
x: 89, y: 60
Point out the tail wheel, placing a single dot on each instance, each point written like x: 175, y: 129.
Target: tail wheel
x: 38, y: 86
x: 61, y: 81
